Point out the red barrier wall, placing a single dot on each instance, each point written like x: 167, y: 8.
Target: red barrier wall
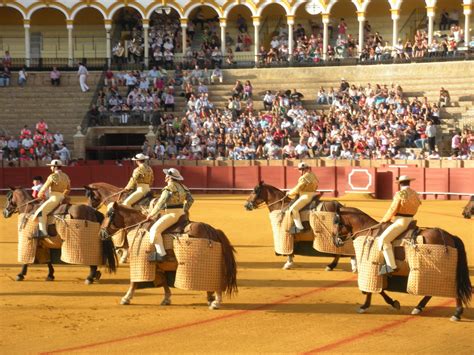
x: 434, y: 182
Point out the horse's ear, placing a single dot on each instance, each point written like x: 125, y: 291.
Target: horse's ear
x: 88, y: 187
x: 12, y: 188
x: 261, y: 182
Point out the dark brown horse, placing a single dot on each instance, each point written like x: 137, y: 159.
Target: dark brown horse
x: 122, y: 217
x: 20, y: 201
x: 353, y: 223
x: 275, y: 199
x: 468, y: 211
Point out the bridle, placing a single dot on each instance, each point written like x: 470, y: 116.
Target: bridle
x: 251, y: 205
x: 104, y: 233
x: 8, y: 211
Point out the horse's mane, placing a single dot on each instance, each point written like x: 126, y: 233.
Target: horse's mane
x: 104, y: 185
x: 362, y: 217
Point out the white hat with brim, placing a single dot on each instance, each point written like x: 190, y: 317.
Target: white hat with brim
x: 140, y: 157
x: 302, y: 166
x: 173, y: 173
x: 55, y: 162
x: 403, y: 178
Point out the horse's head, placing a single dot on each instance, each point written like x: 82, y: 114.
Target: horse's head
x: 112, y: 222
x: 15, y: 197
x: 93, y: 196
x: 255, y: 199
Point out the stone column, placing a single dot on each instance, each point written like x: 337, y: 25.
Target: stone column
x: 291, y: 21
x: 325, y: 35
x: 70, y: 46
x: 395, y: 18
x: 108, y: 45
x: 467, y: 30
x: 26, y: 25
x: 361, y: 19
x: 256, y: 39
x: 430, y: 12
x: 79, y: 144
x: 146, y: 51
x: 184, y: 27
x: 223, y: 24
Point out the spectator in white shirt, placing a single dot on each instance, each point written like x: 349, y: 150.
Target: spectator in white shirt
x: 83, y: 73
x: 64, y: 154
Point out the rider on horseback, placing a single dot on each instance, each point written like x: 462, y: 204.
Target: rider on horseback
x: 404, y: 206
x: 142, y: 178
x: 175, y: 200
x: 59, y: 187
x: 306, y: 190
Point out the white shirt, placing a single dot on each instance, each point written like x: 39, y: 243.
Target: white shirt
x: 82, y: 70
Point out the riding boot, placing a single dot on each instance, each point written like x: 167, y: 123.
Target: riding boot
x: 390, y: 264
x: 298, y: 224
x: 42, y: 231
x: 155, y: 257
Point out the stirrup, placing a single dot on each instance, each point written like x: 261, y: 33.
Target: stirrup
x: 385, y: 269
x: 295, y: 230
x: 40, y: 235
x: 155, y: 257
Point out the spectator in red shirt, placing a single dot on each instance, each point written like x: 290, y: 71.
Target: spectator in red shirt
x: 42, y: 126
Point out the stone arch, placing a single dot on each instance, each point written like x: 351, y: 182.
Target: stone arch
x: 17, y: 7
x: 58, y: 6
x: 211, y: 4
x: 98, y: 6
x: 117, y: 6
x: 175, y: 6
x: 284, y: 4
x: 232, y: 4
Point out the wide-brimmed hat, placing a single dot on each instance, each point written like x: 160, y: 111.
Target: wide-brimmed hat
x: 403, y: 178
x: 140, y: 157
x: 302, y: 166
x: 173, y: 173
x: 55, y: 162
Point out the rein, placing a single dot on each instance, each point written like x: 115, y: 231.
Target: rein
x: 352, y: 235
x: 282, y: 200
x: 108, y: 197
x: 17, y: 208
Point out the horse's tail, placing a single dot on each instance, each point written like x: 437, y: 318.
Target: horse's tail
x: 463, y: 282
x: 230, y: 265
x: 109, y: 257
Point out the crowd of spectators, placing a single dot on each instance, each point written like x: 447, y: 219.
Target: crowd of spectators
x: 362, y: 122
x: 38, y: 144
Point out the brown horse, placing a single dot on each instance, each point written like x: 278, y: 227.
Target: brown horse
x: 351, y: 222
x: 119, y: 216
x: 276, y: 199
x: 102, y: 193
x: 468, y: 211
x: 20, y: 201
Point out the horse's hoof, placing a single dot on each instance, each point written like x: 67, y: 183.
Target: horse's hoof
x: 455, y: 319
x: 328, y: 268
x: 89, y: 281
x: 20, y: 277
x: 288, y: 266
x: 354, y: 271
x: 165, y: 302
x: 361, y: 310
x: 214, y: 305
x: 415, y: 311
x: 396, y: 305
x: 97, y: 275
x: 123, y: 260
x: 49, y: 278
x: 124, y: 302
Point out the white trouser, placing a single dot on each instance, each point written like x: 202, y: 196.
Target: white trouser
x: 140, y: 192
x: 302, y: 201
x: 399, y: 225
x: 50, y: 204
x: 82, y: 82
x: 170, y: 217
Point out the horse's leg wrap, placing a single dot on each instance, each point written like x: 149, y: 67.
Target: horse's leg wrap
x: 419, y: 308
x: 167, y: 299
x: 366, y: 305
x: 92, y: 275
x: 216, y: 304
x: 129, y: 295
x: 459, y: 311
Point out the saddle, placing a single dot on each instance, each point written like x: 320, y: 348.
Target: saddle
x: 145, y: 200
x: 409, y: 235
x: 180, y: 226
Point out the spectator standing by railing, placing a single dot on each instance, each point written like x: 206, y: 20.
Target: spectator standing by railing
x: 82, y: 73
x: 55, y: 77
x: 22, y: 77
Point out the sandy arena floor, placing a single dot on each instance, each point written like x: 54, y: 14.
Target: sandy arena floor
x: 276, y: 311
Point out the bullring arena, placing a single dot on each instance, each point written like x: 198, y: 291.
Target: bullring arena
x: 237, y: 99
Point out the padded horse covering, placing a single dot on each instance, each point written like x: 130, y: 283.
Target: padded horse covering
x: 200, y: 264
x: 282, y: 240
x: 369, y: 259
x: 81, y: 241
x: 322, y: 224
x: 432, y: 270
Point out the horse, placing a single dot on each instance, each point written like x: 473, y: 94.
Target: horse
x: 275, y: 199
x: 351, y: 222
x: 102, y: 193
x: 122, y: 217
x: 468, y: 210
x: 20, y: 201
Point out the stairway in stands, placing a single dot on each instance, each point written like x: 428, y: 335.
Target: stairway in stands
x: 63, y: 108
